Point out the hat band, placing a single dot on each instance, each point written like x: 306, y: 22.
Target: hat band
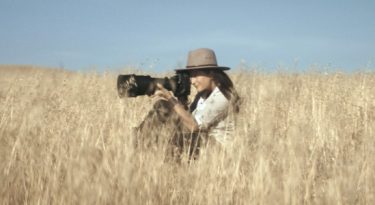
x: 205, y: 65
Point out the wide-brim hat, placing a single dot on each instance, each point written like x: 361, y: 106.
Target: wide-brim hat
x: 202, y: 59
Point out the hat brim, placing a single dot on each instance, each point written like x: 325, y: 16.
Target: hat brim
x: 202, y: 68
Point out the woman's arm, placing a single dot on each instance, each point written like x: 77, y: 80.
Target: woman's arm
x: 187, y: 119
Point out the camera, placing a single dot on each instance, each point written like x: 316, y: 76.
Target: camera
x: 136, y: 85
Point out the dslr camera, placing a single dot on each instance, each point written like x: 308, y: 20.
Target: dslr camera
x: 136, y: 85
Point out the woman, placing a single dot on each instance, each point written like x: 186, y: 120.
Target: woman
x: 215, y: 101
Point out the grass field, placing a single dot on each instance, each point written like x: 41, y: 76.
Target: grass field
x: 65, y: 138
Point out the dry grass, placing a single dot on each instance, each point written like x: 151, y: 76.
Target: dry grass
x: 300, y: 139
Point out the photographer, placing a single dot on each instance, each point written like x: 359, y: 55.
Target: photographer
x: 216, y: 100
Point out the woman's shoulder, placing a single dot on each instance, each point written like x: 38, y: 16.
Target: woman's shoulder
x: 218, y: 95
x: 217, y: 98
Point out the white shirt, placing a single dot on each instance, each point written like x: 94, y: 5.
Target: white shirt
x: 212, y: 114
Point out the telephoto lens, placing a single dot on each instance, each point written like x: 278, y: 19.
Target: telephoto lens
x: 137, y: 85
x: 134, y: 85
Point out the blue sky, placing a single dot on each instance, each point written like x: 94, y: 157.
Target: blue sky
x: 159, y: 34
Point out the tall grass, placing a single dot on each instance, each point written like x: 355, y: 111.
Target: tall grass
x: 308, y: 138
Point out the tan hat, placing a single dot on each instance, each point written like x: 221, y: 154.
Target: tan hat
x: 202, y: 58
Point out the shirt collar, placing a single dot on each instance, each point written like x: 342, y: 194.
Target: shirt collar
x: 216, y: 90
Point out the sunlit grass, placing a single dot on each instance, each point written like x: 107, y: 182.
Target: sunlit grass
x: 66, y: 138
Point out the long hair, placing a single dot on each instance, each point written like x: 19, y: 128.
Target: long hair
x: 225, y: 85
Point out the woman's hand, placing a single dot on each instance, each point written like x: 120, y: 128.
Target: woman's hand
x: 162, y: 94
x: 187, y: 119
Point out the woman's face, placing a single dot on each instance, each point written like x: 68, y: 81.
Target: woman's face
x: 201, y: 80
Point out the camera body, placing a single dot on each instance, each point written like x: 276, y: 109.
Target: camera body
x: 137, y: 85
